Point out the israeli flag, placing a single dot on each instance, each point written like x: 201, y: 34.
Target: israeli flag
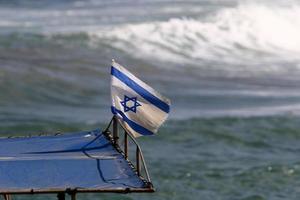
x: 140, y: 109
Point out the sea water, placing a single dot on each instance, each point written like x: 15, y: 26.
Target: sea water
x: 230, y: 67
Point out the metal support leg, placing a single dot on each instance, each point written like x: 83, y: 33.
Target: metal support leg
x: 6, y: 197
x: 61, y: 196
x: 126, y: 144
x: 115, y: 130
x: 73, y: 196
x: 138, y: 165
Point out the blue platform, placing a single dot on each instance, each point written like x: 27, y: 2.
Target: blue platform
x: 85, y: 161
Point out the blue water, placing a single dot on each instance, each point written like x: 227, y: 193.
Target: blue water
x: 230, y: 68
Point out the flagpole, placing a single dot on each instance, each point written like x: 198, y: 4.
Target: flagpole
x: 115, y: 130
x: 115, y: 121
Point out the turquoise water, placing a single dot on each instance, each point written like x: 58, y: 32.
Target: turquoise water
x: 231, y: 74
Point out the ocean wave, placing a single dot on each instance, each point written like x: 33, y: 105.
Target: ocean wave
x: 251, y: 37
x: 221, y: 56
x: 249, y: 34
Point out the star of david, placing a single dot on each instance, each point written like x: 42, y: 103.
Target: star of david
x: 130, y: 104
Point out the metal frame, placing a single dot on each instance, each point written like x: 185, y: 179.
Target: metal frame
x: 140, y: 161
x: 114, y: 139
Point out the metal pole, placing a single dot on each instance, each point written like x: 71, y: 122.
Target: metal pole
x: 138, y: 166
x: 7, y: 196
x: 73, y: 196
x: 126, y: 144
x: 61, y: 196
x: 115, y: 130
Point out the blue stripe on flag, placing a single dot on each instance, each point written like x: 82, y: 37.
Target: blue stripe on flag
x: 136, y: 127
x: 140, y: 90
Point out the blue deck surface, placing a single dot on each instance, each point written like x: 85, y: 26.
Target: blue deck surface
x: 85, y: 160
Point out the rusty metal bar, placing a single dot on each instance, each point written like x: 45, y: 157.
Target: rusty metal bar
x: 141, y: 154
x: 7, y: 197
x: 61, y: 196
x: 73, y: 196
x: 138, y: 166
x: 53, y: 191
x: 115, y: 131
x: 145, y: 166
x: 141, y: 158
x: 126, y: 144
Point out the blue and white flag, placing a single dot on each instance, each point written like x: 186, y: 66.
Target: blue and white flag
x: 140, y: 109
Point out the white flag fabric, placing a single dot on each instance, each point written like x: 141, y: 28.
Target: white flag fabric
x: 139, y: 108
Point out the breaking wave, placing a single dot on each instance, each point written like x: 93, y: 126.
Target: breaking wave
x: 221, y: 54
x: 246, y: 34
x: 260, y: 34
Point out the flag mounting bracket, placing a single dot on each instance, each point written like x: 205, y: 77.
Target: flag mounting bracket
x: 123, y: 147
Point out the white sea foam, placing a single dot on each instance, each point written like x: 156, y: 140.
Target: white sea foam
x: 259, y: 36
x: 249, y: 33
